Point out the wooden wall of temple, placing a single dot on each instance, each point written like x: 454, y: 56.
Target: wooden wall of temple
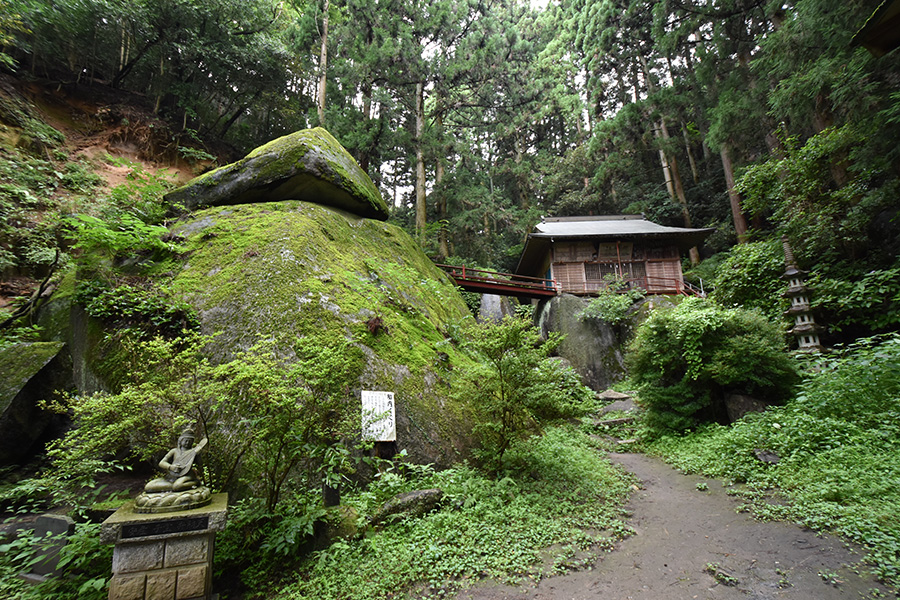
x: 583, y: 267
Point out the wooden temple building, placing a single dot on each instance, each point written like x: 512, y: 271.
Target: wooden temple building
x: 580, y: 253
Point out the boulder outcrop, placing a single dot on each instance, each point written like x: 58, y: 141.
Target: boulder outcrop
x: 31, y: 372
x: 291, y: 270
x: 312, y: 270
x: 306, y: 165
x: 594, y: 348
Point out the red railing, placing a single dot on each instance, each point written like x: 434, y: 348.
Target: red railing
x: 491, y: 282
x: 485, y: 281
x: 650, y: 284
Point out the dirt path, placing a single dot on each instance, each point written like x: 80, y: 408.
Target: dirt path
x: 679, y: 531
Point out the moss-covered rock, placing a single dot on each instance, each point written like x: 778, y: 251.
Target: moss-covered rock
x: 594, y: 348
x: 306, y: 165
x: 53, y: 313
x: 295, y: 269
x: 29, y: 373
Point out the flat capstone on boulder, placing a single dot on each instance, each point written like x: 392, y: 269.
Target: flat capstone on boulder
x: 309, y: 165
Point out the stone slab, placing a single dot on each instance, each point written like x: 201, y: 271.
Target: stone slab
x: 127, y: 587
x: 58, y: 527
x: 612, y: 395
x: 138, y: 556
x: 33, y: 578
x: 161, y: 585
x: 164, y: 525
x: 619, y: 405
x: 192, y: 583
x: 187, y: 550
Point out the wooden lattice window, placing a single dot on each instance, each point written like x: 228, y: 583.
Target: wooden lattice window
x: 569, y: 276
x: 664, y: 276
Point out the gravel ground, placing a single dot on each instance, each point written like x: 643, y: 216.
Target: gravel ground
x: 690, y: 544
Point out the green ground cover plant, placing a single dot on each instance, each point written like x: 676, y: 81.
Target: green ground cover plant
x: 838, y: 443
x: 613, y: 302
x: 557, y: 491
x: 84, y: 559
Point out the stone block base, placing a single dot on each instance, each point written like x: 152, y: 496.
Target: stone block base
x: 164, y: 556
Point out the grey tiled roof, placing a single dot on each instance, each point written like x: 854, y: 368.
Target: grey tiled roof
x: 619, y: 226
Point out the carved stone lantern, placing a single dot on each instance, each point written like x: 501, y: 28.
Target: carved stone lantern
x: 805, y: 328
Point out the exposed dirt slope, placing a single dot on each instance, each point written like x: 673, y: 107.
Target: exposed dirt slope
x: 680, y: 531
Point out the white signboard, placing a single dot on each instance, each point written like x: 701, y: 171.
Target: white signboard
x: 379, y: 421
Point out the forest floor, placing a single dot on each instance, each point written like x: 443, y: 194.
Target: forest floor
x: 691, y: 543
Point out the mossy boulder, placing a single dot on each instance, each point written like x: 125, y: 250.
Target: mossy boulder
x: 594, y: 348
x: 29, y: 373
x: 306, y: 165
x: 292, y: 269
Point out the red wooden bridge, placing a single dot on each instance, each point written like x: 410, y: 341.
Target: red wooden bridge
x: 482, y: 281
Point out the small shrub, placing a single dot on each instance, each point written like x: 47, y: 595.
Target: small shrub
x: 750, y: 278
x: 868, y: 304
x: 514, y: 384
x: 151, y: 311
x: 612, y: 303
x: 84, y: 562
x: 685, y: 359
x: 100, y: 242
x: 142, y: 193
x: 80, y: 177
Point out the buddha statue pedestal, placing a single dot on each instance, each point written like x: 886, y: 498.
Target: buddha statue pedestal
x: 164, y: 556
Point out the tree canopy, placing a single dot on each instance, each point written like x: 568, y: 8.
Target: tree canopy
x: 475, y: 118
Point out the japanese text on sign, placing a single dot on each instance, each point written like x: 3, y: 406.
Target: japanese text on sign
x: 379, y: 422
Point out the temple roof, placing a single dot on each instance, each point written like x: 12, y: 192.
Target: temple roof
x: 615, y: 226
x: 628, y: 228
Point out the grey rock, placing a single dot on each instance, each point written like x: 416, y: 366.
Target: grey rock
x: 307, y: 165
x: 58, y: 528
x: 612, y: 395
x: 619, y: 405
x: 739, y: 405
x: 410, y: 504
x: 767, y: 456
x: 593, y: 348
x: 494, y: 308
x: 29, y: 373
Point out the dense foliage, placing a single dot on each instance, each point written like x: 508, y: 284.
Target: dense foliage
x: 515, y: 385
x: 613, y: 302
x: 837, y: 448
x: 476, y: 119
x: 277, y: 426
x: 686, y: 359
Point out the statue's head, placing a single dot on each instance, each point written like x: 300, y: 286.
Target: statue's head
x: 186, y: 439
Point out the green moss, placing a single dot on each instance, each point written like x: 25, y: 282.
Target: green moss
x: 309, y: 165
x: 284, y: 261
x: 106, y: 356
x: 53, y: 316
x: 295, y: 269
x: 19, y: 363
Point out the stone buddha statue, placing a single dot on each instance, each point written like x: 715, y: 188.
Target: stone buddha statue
x: 180, y: 487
